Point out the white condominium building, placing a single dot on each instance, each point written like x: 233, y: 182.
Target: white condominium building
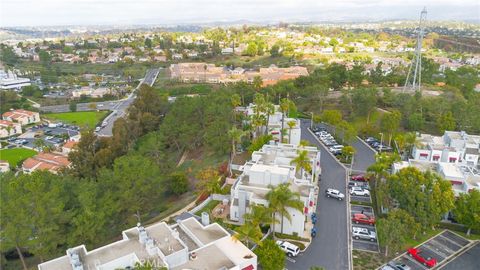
x: 269, y: 167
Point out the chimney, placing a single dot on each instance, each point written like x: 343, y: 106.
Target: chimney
x: 142, y: 234
x: 205, y: 219
x: 74, y: 260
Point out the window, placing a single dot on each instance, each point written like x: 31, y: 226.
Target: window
x: 436, y: 157
x: 452, y: 159
x: 423, y: 156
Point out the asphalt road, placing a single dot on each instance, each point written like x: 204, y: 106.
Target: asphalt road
x: 330, y: 248
x: 469, y: 260
x: 364, y: 156
x: 120, y: 109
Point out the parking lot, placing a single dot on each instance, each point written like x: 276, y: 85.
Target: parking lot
x: 358, y: 180
x: 362, y: 244
x: 467, y: 260
x: 440, y: 247
x: 52, y: 136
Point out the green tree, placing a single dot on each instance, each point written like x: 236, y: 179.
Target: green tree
x: 251, y: 50
x: 364, y: 102
x: 467, y: 210
x: 33, y: 213
x: 347, y: 153
x: 248, y: 233
x: 394, y: 230
x: 291, y: 124
x: 332, y: 117
x: 302, y: 162
x: 390, y: 123
x: 178, y: 183
x: 285, y: 106
x: 259, y: 215
x: 73, y: 106
x: 8, y: 56
x: 148, y: 43
x: 275, y: 51
x: 236, y: 136
x: 416, y: 122
x: 257, y: 82
x: 426, y: 196
x: 446, y: 122
x: 280, y: 199
x: 208, y: 181
x: 258, y: 143
x: 270, y: 255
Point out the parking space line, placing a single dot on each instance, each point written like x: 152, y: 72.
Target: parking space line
x: 450, y: 241
x: 447, y: 249
x: 415, y: 261
x: 290, y: 259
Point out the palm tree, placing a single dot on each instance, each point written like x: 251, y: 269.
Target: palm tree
x: 291, y: 125
x: 269, y: 110
x: 39, y: 144
x: 280, y: 199
x: 258, y: 215
x: 236, y: 136
x: 302, y: 162
x: 285, y: 105
x: 248, y: 232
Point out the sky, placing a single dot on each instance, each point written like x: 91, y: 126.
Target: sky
x: 164, y: 12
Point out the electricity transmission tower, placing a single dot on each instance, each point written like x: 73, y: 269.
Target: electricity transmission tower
x: 413, y: 82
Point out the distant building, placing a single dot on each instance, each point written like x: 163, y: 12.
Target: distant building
x: 9, y: 128
x: 454, y: 156
x: 11, y: 81
x: 209, y: 73
x: 68, y: 147
x: 188, y: 244
x: 52, y: 162
x: 91, y: 92
x: 4, y: 166
x: 22, y: 117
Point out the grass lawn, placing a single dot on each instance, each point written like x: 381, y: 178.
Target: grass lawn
x: 83, y: 119
x: 208, y: 208
x: 16, y: 155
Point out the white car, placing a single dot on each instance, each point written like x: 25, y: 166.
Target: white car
x: 333, y: 193
x: 363, y: 233
x: 336, y: 148
x: 290, y: 249
x: 358, y: 191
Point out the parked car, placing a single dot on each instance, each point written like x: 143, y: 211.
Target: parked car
x: 363, y: 219
x: 333, y: 193
x: 97, y: 129
x: 397, y: 266
x: 358, y: 191
x: 364, y: 233
x: 290, y: 249
x: 359, y: 177
x: 363, y: 185
x: 335, y: 148
x: 417, y: 255
x: 370, y: 140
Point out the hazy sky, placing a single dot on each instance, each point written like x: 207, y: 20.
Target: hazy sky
x: 85, y: 12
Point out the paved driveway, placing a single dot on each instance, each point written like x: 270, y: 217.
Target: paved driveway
x: 364, y: 156
x: 330, y: 248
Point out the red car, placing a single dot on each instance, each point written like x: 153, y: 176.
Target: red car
x: 359, y: 177
x: 364, y: 219
x: 416, y: 254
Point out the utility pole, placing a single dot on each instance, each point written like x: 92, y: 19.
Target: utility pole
x: 413, y: 82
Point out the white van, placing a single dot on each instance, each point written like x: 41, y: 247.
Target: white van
x: 289, y: 248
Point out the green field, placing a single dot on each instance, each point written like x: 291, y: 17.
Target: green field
x: 82, y: 119
x: 16, y: 155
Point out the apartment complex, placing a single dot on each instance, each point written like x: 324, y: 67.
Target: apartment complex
x: 270, y: 167
x: 188, y: 244
x: 452, y: 147
x: 9, y: 128
x: 454, y: 156
x: 52, y: 162
x: 23, y: 117
x: 209, y: 73
x: 291, y: 126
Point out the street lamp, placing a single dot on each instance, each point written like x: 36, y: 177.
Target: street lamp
x: 381, y: 142
x: 311, y: 121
